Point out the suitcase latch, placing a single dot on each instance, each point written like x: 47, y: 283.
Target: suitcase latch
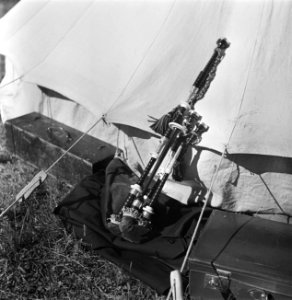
x: 258, y: 294
x: 220, y: 281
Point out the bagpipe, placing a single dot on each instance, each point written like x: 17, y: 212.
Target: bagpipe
x: 179, y: 129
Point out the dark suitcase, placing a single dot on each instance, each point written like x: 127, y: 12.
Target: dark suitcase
x: 41, y: 141
x: 241, y: 257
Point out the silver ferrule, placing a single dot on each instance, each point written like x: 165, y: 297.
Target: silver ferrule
x: 147, y: 212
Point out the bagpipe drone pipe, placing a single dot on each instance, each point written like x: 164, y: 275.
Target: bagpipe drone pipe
x: 180, y: 129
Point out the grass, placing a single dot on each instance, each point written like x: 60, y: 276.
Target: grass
x: 38, y: 258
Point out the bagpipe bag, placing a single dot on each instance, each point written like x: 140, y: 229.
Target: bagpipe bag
x: 84, y: 211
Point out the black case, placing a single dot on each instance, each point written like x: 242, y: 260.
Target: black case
x: 41, y: 141
x: 241, y: 257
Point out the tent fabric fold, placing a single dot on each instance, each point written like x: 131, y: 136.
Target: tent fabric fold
x: 132, y: 60
x: 121, y: 59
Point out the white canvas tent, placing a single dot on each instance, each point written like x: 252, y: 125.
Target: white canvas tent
x: 123, y: 61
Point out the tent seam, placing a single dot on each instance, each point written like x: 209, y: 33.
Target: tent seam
x: 247, y: 79
x: 44, y: 59
x: 29, y: 20
x: 144, y: 57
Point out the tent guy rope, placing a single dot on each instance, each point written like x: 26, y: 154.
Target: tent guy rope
x: 40, y: 177
x: 176, y: 273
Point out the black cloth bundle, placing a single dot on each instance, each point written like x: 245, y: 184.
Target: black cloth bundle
x: 85, y: 211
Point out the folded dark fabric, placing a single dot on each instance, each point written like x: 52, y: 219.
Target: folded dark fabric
x: 85, y: 211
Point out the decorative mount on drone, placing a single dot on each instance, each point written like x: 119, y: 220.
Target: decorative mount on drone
x: 180, y: 128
